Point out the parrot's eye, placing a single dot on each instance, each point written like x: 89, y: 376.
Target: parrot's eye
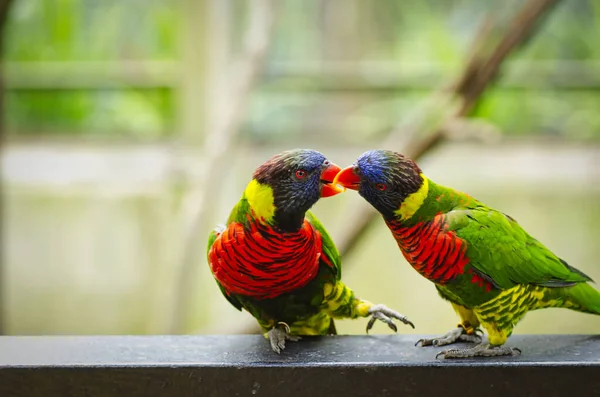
x: 300, y: 174
x: 380, y: 186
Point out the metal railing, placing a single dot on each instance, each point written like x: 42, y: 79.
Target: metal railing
x: 244, y: 365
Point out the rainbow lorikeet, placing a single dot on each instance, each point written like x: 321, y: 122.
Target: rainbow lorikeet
x: 275, y: 259
x: 481, y: 260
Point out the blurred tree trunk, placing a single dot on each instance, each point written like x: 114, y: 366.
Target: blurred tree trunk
x: 4, y: 7
x: 229, y: 114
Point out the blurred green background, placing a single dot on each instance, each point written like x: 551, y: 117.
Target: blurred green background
x: 108, y: 104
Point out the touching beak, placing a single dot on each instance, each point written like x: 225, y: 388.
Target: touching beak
x: 347, y: 178
x: 327, y: 176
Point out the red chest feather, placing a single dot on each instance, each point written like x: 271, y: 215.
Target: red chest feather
x: 258, y: 261
x: 433, y: 250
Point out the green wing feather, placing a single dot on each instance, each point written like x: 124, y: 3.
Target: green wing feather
x: 329, y: 248
x: 211, y: 240
x: 502, y: 252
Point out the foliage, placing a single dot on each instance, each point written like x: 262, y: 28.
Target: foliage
x: 424, y: 41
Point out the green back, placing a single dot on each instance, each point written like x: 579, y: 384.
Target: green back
x: 329, y: 247
x: 498, y: 248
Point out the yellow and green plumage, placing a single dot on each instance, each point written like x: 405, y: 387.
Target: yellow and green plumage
x: 275, y: 259
x: 481, y: 260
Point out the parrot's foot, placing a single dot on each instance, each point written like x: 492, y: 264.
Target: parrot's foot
x: 481, y: 350
x: 278, y: 336
x: 456, y: 335
x: 385, y: 314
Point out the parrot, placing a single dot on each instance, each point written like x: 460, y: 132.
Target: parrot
x: 276, y: 260
x: 480, y: 259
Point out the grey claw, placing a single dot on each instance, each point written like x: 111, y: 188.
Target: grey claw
x: 285, y: 326
x: 383, y: 318
x: 470, y: 338
x: 424, y: 342
x: 481, y: 350
x: 385, y: 314
x: 370, y: 323
x: 278, y: 336
x: 457, y: 334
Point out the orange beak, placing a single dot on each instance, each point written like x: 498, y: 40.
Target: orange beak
x: 347, y: 178
x: 327, y: 176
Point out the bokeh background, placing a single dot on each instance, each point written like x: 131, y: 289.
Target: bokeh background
x: 131, y: 128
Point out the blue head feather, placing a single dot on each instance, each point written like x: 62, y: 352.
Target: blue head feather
x: 387, y: 178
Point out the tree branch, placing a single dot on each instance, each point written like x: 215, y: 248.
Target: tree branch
x: 479, y: 73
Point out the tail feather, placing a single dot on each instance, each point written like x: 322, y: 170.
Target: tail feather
x: 585, y: 297
x: 575, y: 270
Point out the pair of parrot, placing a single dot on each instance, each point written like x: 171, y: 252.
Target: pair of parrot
x: 275, y: 259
